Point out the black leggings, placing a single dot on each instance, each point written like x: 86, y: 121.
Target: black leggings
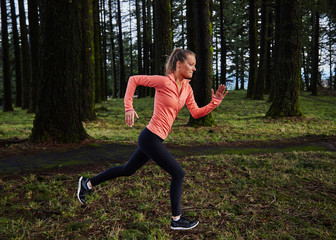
x: 150, y: 147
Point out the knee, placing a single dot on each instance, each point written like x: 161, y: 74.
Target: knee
x: 179, y: 174
x: 127, y: 171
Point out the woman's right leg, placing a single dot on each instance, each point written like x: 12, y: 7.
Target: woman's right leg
x: 137, y: 160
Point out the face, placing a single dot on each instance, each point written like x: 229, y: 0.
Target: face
x: 187, y: 68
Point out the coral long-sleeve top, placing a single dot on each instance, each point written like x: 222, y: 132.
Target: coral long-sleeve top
x: 168, y: 101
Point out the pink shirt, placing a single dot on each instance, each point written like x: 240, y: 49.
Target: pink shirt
x: 167, y: 102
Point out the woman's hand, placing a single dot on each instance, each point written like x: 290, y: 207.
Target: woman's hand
x: 220, y: 92
x: 129, y: 117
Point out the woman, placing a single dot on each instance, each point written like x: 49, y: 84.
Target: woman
x: 172, y: 92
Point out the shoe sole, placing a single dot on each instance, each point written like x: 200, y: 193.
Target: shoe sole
x: 79, y: 189
x: 182, y: 228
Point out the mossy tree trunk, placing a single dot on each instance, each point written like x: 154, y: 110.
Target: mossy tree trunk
x: 26, y: 64
x: 259, y: 86
x: 113, y: 65
x: 17, y: 54
x: 7, y: 88
x: 97, y: 52
x: 58, y: 115
x: 253, y: 60
x: 122, y: 80
x: 88, y: 74
x: 315, y: 49
x: 203, y: 80
x: 191, y: 30
x: 163, y: 37
x: 223, y: 44
x: 288, y: 68
x: 34, y: 41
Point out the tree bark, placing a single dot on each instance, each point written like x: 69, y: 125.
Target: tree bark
x: 258, y: 93
x: 121, y: 57
x: 253, y: 47
x: 315, y: 51
x: 223, y: 44
x: 113, y: 64
x: 162, y: 35
x: 26, y: 64
x: 203, y: 80
x: 58, y: 115
x: 17, y: 54
x: 288, y: 68
x: 34, y: 37
x: 88, y: 77
x: 7, y: 88
x: 191, y: 31
x: 97, y: 52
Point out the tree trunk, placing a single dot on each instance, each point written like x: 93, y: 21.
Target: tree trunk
x: 34, y: 37
x: 97, y: 52
x: 58, y: 115
x: 88, y: 77
x: 7, y: 88
x: 26, y: 67
x: 121, y: 57
x: 258, y: 93
x: 17, y: 54
x: 315, y: 51
x: 223, y: 44
x: 102, y: 41
x: 203, y: 81
x: 113, y: 65
x: 191, y: 31
x: 253, y: 47
x: 162, y: 35
x: 270, y: 57
x: 288, y: 68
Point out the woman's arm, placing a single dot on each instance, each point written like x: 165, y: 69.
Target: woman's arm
x: 133, y: 82
x: 197, y: 112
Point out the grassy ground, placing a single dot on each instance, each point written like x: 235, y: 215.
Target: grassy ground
x: 238, y: 120
x: 266, y: 196
x: 241, y: 195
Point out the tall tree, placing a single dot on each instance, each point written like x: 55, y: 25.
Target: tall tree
x: 97, y: 50
x: 253, y: 46
x: 113, y: 65
x: 315, y: 49
x: 191, y: 31
x: 288, y: 68
x: 223, y: 44
x: 121, y: 56
x: 102, y: 40
x: 258, y: 91
x: 17, y: 54
x: 162, y: 35
x: 7, y: 88
x: 58, y: 115
x: 87, y: 63
x: 204, y: 54
x: 34, y: 41
x: 26, y: 64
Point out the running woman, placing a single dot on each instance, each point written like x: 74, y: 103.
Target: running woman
x: 172, y: 92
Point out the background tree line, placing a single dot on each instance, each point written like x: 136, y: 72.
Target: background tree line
x: 74, y: 54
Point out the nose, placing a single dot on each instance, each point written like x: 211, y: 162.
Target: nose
x: 194, y: 69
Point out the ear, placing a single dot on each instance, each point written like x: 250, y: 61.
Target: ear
x: 178, y: 64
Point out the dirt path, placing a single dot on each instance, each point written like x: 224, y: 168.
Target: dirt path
x: 110, y: 154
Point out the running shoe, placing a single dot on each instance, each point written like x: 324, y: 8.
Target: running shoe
x: 183, y: 223
x: 82, y: 189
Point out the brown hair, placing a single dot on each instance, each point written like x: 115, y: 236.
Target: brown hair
x: 178, y: 54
